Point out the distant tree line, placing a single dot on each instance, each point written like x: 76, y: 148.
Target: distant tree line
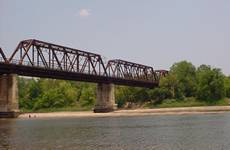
x: 184, y: 80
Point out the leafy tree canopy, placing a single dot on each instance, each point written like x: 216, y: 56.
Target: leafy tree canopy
x: 210, y: 83
x: 185, y: 73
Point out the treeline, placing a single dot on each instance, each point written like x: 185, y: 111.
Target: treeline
x: 184, y: 80
x: 36, y: 94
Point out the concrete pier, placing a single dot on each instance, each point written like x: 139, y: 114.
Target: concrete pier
x: 8, y: 96
x: 105, y: 101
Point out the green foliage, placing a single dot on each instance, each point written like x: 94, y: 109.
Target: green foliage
x: 171, y: 84
x: 187, y: 102
x: 125, y: 94
x: 210, y: 83
x: 37, y: 94
x: 55, y: 94
x: 120, y: 96
x: 157, y: 95
x: 88, y: 96
x: 50, y: 99
x: 29, y: 90
x: 227, y: 86
x: 185, y: 74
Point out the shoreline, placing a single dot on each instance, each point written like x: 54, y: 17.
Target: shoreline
x: 133, y: 112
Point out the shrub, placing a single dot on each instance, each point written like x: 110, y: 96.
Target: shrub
x: 157, y: 95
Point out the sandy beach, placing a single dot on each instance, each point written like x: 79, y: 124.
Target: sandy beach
x: 135, y: 112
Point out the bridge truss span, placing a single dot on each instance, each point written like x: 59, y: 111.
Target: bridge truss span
x: 49, y: 56
x: 41, y: 59
x: 129, y: 70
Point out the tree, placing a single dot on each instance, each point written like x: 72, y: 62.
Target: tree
x: 54, y: 94
x: 171, y: 84
x: 125, y: 94
x: 210, y: 83
x: 46, y: 93
x: 50, y: 99
x: 120, y: 95
x: 227, y: 86
x: 29, y: 90
x: 157, y: 95
x: 185, y: 73
x: 88, y: 95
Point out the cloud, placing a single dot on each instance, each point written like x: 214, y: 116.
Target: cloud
x: 84, y: 12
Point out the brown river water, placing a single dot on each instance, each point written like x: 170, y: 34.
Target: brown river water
x: 167, y: 132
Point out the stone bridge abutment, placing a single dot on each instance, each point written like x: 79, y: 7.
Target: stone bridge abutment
x: 105, y: 101
x: 9, y: 95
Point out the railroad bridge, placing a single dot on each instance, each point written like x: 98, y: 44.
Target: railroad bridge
x: 36, y: 58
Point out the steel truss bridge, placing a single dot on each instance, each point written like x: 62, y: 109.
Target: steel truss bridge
x: 41, y: 59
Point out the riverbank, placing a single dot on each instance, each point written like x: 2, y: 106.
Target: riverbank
x: 134, y: 112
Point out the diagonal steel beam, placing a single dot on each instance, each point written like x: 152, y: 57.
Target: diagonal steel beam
x: 3, y: 55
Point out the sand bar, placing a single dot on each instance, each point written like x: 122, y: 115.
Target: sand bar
x: 134, y: 112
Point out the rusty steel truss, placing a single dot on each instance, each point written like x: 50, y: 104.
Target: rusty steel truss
x: 2, y: 55
x: 129, y: 70
x: 55, y: 57
x: 161, y: 73
x: 41, y: 59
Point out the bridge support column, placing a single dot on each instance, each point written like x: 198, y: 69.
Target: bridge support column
x: 8, y: 96
x: 105, y: 101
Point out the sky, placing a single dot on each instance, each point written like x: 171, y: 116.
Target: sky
x: 151, y: 32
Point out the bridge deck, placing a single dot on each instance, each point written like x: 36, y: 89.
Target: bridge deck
x: 58, y: 74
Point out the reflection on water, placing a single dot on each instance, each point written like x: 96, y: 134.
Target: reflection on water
x: 196, y: 132
x: 5, y: 132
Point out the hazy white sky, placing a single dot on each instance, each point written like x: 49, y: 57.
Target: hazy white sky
x: 151, y: 32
